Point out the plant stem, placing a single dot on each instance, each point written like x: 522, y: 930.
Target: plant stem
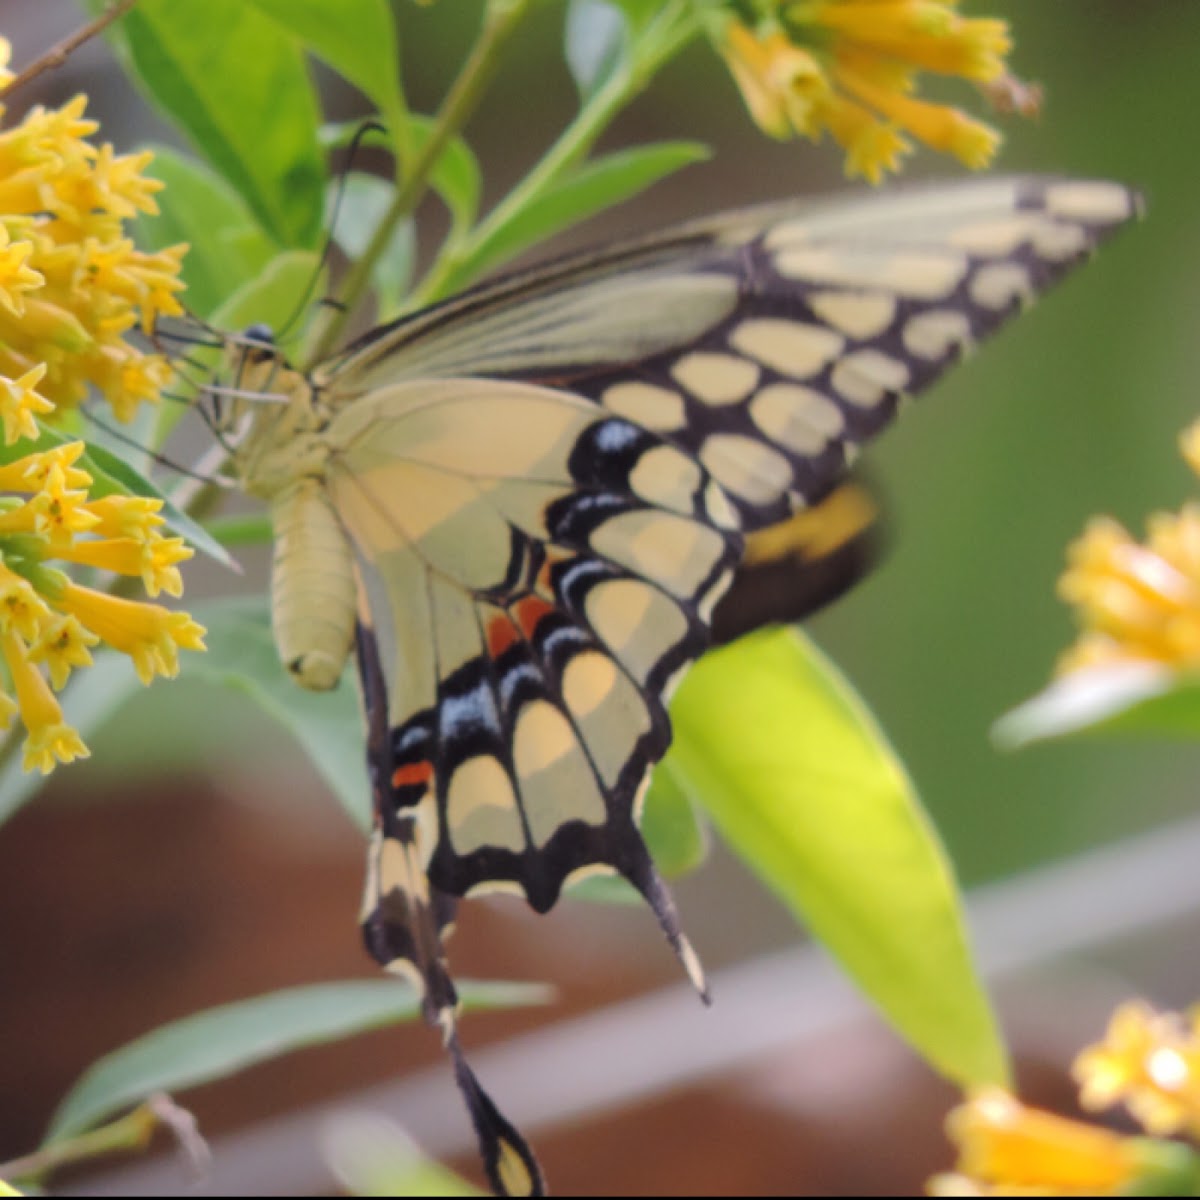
x: 57, y: 55
x: 458, y: 264
x: 131, y: 1132
x: 500, y: 22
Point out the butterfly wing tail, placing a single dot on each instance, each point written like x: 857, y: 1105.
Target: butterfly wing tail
x: 404, y: 919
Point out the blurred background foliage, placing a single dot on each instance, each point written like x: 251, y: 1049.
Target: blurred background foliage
x: 1073, y: 411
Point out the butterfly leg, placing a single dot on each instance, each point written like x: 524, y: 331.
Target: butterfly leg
x: 403, y: 920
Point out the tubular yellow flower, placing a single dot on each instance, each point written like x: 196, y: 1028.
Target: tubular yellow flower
x: 1134, y: 600
x: 149, y: 634
x: 1006, y: 1148
x: 72, y: 284
x: 1149, y: 1061
x: 20, y: 404
x: 48, y: 623
x: 51, y: 740
x: 850, y: 67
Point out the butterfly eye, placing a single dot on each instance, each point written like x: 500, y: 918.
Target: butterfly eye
x: 263, y: 334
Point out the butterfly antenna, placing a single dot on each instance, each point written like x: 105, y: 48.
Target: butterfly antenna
x: 126, y: 440
x: 351, y: 152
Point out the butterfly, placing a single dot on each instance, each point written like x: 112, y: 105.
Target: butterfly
x: 526, y: 510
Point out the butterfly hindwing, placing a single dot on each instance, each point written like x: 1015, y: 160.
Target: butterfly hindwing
x: 548, y: 588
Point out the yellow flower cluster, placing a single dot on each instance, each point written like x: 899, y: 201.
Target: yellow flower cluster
x: 851, y: 67
x: 48, y: 623
x: 72, y: 284
x: 1148, y: 1060
x: 1134, y: 600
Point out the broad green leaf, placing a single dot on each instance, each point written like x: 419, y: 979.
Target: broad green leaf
x: 220, y: 1041
x: 364, y: 201
x: 238, y: 85
x: 593, y: 188
x: 357, y: 38
x: 327, y: 725
x: 372, y: 1156
x: 226, y: 245
x: 801, y: 784
x: 91, y: 698
x: 676, y: 837
x: 1138, y: 698
x: 112, y: 474
x: 597, y: 38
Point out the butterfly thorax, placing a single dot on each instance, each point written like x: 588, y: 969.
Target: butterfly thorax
x: 276, y: 424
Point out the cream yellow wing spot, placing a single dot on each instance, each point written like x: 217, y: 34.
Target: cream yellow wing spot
x: 482, y: 808
x: 658, y: 408
x: 798, y: 418
x: 933, y: 334
x: 867, y: 377
x: 667, y: 478
x: 715, y: 378
x: 859, y: 315
x: 637, y: 623
x: 556, y: 779
x: 673, y: 551
x: 794, y: 348
x: 751, y: 470
x: 608, y: 711
x: 998, y: 285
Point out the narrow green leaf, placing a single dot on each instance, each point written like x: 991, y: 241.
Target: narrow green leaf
x: 238, y: 85
x: 327, y: 725
x: 226, y: 245
x: 596, y: 43
x: 593, y: 188
x: 364, y: 201
x: 801, y: 784
x: 220, y: 1041
x: 113, y: 475
x: 90, y: 699
x: 1135, y: 698
x: 357, y: 38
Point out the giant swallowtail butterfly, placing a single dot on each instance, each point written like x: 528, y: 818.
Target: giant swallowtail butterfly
x: 521, y: 509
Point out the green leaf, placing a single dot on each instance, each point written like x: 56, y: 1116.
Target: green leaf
x: 364, y: 201
x: 1136, y: 698
x: 327, y: 725
x: 92, y: 696
x: 357, y: 38
x: 238, y: 86
x: 596, y: 43
x: 113, y: 475
x: 220, y: 1041
x: 801, y: 784
x: 596, y: 186
x: 227, y: 247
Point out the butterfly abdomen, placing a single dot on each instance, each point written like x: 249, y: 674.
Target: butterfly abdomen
x: 312, y: 589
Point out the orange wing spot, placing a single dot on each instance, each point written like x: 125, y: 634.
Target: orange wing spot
x: 412, y: 773
x: 529, y: 612
x: 501, y: 633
